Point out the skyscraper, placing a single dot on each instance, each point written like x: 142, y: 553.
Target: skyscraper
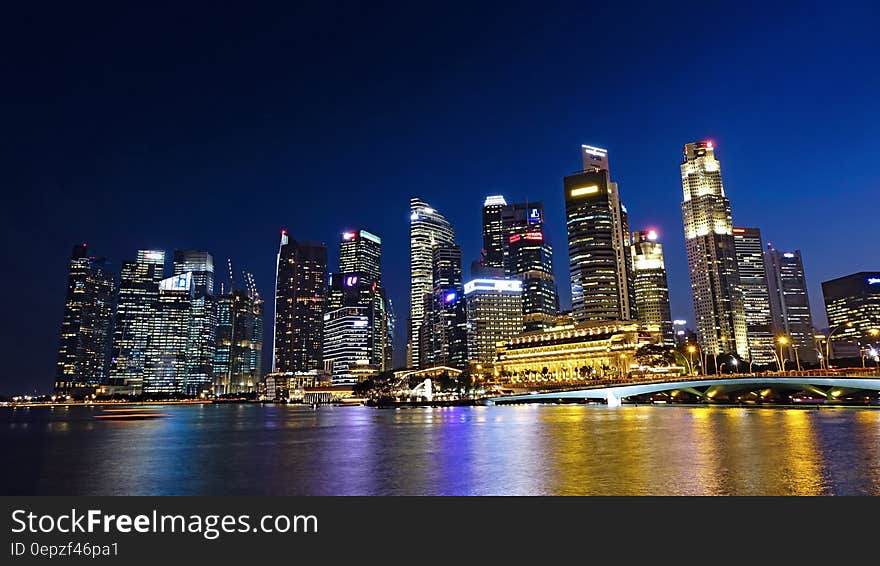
x: 494, y: 314
x: 708, y: 230
x: 790, y: 304
x: 528, y: 256
x: 852, y: 303
x: 493, y: 231
x: 361, y: 252
x: 755, y: 294
x: 135, y: 318
x: 300, y: 292
x: 203, y: 323
x: 651, y: 287
x: 598, y: 243
x: 239, y: 350
x: 444, y: 329
x: 165, y: 370
x: 427, y: 229
x: 347, y: 342
x: 86, y: 338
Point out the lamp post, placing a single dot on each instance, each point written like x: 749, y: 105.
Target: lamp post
x: 847, y: 324
x: 691, y: 349
x: 780, y: 362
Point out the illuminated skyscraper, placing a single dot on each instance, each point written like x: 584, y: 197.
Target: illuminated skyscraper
x: 493, y: 231
x: 86, y: 338
x: 598, y: 243
x: 135, y: 318
x: 708, y: 230
x: 300, y: 293
x: 528, y: 257
x: 239, y: 350
x: 852, y: 303
x: 444, y: 329
x: 427, y: 229
x: 203, y: 325
x: 361, y: 252
x: 790, y: 303
x: 347, y: 342
x: 494, y: 314
x: 755, y: 294
x: 651, y: 287
x: 166, y: 364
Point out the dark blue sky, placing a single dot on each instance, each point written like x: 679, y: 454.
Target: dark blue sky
x: 213, y: 127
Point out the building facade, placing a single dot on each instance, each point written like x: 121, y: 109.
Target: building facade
x: 600, y: 262
x: 651, y: 286
x: 427, y: 229
x: 238, y: 357
x: 166, y: 364
x: 86, y: 328
x: 790, y: 304
x: 135, y: 318
x: 755, y: 295
x: 494, y: 314
x: 347, y: 342
x: 852, y: 304
x: 528, y: 257
x: 444, y: 328
x: 300, y: 294
x: 203, y: 327
x: 708, y: 229
x: 493, y: 231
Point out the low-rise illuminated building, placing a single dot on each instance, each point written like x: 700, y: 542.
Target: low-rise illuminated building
x: 494, y: 314
x: 853, y: 307
x: 572, y: 352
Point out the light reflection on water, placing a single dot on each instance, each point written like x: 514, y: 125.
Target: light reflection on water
x: 247, y: 449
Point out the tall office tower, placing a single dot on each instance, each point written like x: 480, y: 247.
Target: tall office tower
x: 86, y: 329
x: 239, y: 350
x: 444, y: 330
x: 755, y: 294
x: 651, y: 286
x: 494, y: 314
x: 708, y: 230
x: 852, y: 303
x: 201, y: 265
x: 390, y: 325
x: 203, y: 326
x: 427, y: 229
x: 300, y: 292
x: 135, y: 318
x: 789, y: 303
x: 347, y: 342
x: 350, y: 290
x: 361, y: 252
x: 165, y: 370
x: 598, y: 243
x: 493, y: 231
x: 528, y: 256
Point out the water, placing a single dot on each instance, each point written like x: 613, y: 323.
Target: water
x: 249, y: 449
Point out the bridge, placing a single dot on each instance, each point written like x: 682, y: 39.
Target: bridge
x: 705, y: 388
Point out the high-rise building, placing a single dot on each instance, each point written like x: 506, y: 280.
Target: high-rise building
x: 347, y: 342
x: 427, y: 229
x: 790, y: 304
x: 598, y: 243
x: 300, y: 293
x: 651, y: 287
x: 165, y: 370
x: 494, y: 314
x: 361, y: 252
x: 493, y: 231
x: 528, y: 257
x: 203, y: 325
x: 755, y: 294
x: 444, y: 328
x: 708, y: 229
x: 86, y: 329
x: 852, y: 304
x: 135, y: 318
x: 239, y: 350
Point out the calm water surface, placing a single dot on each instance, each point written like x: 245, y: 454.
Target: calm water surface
x: 249, y: 449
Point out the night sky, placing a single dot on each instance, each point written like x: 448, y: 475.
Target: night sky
x: 213, y: 127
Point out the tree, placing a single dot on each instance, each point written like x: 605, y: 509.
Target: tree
x: 655, y: 355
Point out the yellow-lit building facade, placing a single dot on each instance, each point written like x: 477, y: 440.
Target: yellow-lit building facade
x: 598, y: 350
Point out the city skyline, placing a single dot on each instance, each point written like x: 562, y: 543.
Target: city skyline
x: 775, y: 192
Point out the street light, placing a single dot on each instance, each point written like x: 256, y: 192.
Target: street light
x: 780, y: 362
x: 847, y: 324
x: 691, y: 349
